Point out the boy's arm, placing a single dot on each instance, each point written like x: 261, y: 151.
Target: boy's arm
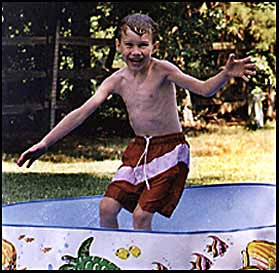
x: 233, y: 68
x: 67, y: 124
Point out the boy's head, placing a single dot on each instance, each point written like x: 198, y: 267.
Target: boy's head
x: 140, y: 24
x: 137, y: 41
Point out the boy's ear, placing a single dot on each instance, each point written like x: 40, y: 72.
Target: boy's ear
x: 155, y: 46
x: 117, y: 44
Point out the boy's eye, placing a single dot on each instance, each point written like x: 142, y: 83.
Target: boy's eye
x: 143, y: 45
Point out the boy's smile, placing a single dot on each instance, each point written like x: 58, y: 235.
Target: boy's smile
x: 135, y: 49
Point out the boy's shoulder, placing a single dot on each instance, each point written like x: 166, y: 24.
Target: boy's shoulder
x: 116, y: 76
x: 116, y: 79
x: 163, y: 64
x: 119, y: 74
x: 164, y: 67
x: 159, y: 61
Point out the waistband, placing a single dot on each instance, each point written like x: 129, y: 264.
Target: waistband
x: 164, y: 139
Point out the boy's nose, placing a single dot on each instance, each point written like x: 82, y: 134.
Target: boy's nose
x: 136, y: 51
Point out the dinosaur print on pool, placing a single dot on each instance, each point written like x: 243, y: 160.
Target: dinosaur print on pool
x: 84, y: 261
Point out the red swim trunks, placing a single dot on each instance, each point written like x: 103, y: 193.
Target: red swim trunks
x: 152, y: 174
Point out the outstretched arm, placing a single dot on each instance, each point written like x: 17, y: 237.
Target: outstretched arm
x: 233, y: 68
x: 67, y: 124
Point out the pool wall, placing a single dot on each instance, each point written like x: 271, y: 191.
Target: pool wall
x: 53, y: 243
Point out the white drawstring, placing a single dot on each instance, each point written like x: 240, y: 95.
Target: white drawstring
x: 144, y: 154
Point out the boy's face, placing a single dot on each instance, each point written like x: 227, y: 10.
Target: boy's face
x: 136, y: 50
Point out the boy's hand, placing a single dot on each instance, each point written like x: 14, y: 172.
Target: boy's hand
x: 240, y: 68
x: 32, y: 153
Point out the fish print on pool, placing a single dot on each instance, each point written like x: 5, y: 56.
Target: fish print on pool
x: 218, y: 247
x: 253, y: 255
x: 259, y: 255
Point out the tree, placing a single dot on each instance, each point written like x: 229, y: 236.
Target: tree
x: 187, y: 33
x: 254, y: 28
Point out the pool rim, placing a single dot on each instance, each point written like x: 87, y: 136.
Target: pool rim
x: 132, y: 230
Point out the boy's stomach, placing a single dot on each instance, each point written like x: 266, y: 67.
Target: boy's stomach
x: 155, y: 126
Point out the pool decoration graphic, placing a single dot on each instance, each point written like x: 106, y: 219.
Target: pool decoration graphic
x: 8, y: 255
x: 218, y: 247
x: 228, y: 226
x: 260, y: 255
x: 86, y: 262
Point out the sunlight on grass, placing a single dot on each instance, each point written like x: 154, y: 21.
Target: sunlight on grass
x: 95, y: 167
x: 234, y: 154
x: 225, y: 154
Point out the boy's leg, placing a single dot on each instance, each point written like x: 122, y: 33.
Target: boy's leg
x: 109, y: 209
x: 142, y: 219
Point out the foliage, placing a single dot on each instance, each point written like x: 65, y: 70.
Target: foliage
x: 187, y: 31
x: 265, y: 78
x: 255, y: 29
x: 188, y: 42
x: 254, y: 24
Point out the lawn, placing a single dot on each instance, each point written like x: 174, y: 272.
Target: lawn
x: 83, y: 167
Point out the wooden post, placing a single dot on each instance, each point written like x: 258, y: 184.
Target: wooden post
x: 54, y: 76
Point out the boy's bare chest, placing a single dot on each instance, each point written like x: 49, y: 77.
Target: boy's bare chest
x: 145, y: 91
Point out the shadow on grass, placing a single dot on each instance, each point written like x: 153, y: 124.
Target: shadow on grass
x: 71, y: 149
x: 31, y: 186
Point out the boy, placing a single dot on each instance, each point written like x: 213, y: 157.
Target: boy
x: 156, y: 163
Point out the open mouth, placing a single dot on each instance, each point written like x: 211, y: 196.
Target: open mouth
x: 136, y: 61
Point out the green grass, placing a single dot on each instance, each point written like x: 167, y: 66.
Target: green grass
x: 82, y: 167
x: 30, y: 186
x: 233, y: 154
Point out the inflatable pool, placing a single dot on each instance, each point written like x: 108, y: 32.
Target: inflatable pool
x: 228, y: 226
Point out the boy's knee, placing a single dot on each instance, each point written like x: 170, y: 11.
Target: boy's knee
x: 109, y: 207
x: 142, y: 218
x: 139, y: 216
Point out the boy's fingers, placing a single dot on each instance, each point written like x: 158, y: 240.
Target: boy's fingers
x: 22, y: 159
x: 245, y: 60
x: 250, y: 72
x: 32, y: 155
x: 245, y: 78
x: 250, y: 65
x: 231, y: 57
x: 30, y: 162
x: 19, y: 162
